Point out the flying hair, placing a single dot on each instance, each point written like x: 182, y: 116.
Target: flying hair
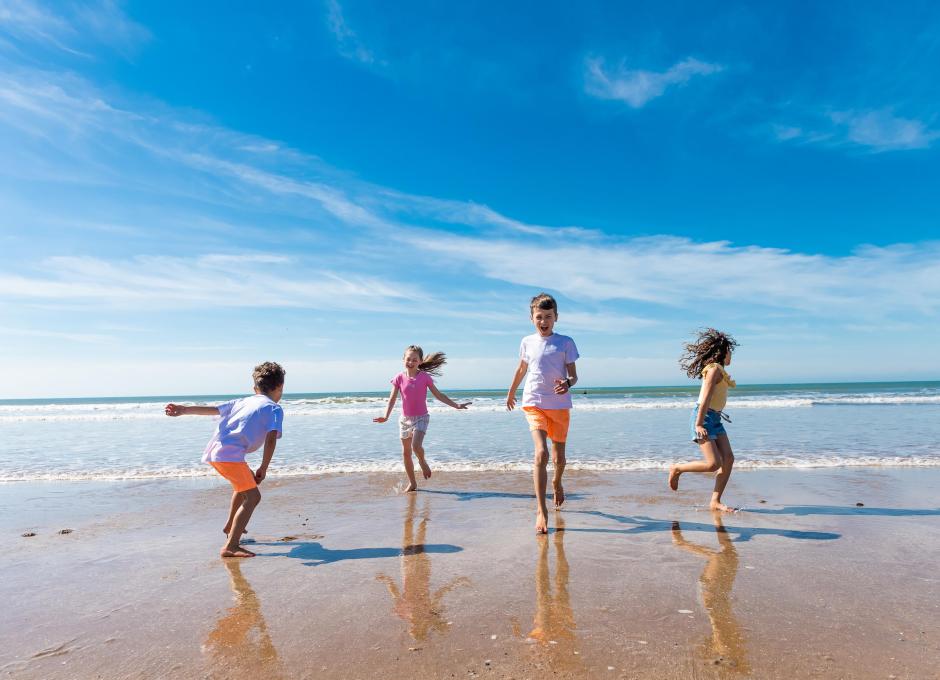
x: 710, y: 347
x: 432, y: 364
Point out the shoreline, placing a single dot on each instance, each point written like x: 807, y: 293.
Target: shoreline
x: 354, y: 579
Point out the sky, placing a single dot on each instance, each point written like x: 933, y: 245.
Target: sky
x: 188, y: 189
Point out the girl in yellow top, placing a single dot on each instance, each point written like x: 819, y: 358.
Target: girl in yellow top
x: 706, y: 358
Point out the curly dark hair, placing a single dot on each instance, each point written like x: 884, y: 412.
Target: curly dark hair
x: 268, y: 376
x: 432, y: 364
x: 711, y: 346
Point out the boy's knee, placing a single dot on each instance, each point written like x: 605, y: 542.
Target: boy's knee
x: 252, y: 497
x: 714, y: 466
x: 419, y: 450
x: 541, y: 457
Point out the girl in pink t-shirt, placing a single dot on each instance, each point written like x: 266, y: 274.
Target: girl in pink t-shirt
x: 413, y: 383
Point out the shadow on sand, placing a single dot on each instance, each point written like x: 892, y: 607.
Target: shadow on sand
x: 642, y: 525
x: 315, y: 554
x: 480, y: 495
x: 847, y: 510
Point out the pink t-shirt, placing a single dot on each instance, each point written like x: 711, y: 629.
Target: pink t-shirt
x: 414, y: 393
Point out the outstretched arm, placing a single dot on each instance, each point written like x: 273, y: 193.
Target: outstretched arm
x: 440, y: 396
x: 270, y: 441
x: 178, y: 410
x: 516, y: 379
x: 391, y: 404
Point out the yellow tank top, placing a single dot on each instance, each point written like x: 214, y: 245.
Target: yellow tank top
x: 719, y: 395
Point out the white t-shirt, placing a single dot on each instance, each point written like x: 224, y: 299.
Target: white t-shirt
x: 243, y: 425
x: 547, y: 359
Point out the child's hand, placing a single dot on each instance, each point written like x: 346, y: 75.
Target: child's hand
x: 260, y: 474
x: 174, y: 410
x: 380, y: 419
x: 510, y: 402
x: 463, y: 405
x: 701, y: 433
x: 561, y: 386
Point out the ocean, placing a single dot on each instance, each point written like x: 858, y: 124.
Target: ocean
x: 630, y: 428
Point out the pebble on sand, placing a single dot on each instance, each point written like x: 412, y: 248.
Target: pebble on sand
x: 859, y: 505
x: 65, y: 531
x: 28, y: 534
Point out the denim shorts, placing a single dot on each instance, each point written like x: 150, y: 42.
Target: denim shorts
x: 713, y: 425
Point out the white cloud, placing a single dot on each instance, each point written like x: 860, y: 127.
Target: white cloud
x: 70, y: 27
x: 637, y: 87
x: 348, y: 42
x: 878, y: 130
x: 211, y: 281
x: 883, y: 131
x: 681, y: 273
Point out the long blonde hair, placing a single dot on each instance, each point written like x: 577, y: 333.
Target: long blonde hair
x: 432, y: 364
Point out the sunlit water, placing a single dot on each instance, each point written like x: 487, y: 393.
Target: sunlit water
x: 873, y: 424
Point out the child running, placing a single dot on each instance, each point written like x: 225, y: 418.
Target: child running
x: 413, y: 383
x: 549, y: 359
x: 245, y: 425
x: 706, y: 358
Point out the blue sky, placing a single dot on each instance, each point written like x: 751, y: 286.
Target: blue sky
x: 186, y: 190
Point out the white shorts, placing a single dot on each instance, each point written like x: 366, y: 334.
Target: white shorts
x: 408, y: 425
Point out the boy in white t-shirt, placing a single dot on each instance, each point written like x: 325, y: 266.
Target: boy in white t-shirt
x: 549, y: 359
x: 244, y: 425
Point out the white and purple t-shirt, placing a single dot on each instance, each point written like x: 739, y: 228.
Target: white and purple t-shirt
x: 547, y: 359
x: 243, y: 425
x: 414, y: 393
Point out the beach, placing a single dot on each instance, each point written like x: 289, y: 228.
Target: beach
x: 824, y: 573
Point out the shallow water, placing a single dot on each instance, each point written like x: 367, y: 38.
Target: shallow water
x: 832, y: 425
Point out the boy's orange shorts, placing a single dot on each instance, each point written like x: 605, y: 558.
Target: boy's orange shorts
x: 553, y: 421
x: 238, y: 474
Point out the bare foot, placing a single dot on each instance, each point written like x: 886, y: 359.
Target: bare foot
x: 237, y: 552
x: 425, y: 468
x: 559, y: 495
x: 541, y: 523
x: 411, y: 487
x: 721, y: 507
x: 674, y: 478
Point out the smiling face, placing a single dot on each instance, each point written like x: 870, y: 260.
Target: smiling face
x: 544, y: 321
x: 411, y: 361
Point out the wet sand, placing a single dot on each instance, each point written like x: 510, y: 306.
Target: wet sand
x: 357, y: 580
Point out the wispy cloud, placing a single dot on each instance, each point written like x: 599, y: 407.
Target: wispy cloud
x: 638, y: 87
x: 663, y: 271
x: 211, y: 281
x: 70, y: 27
x: 876, y: 130
x: 884, y: 131
x: 347, y: 41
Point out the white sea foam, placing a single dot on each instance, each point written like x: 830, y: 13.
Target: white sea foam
x: 392, y: 465
x: 367, y: 405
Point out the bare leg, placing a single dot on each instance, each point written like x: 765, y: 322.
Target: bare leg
x: 417, y: 445
x: 236, y: 503
x: 724, y: 474
x: 409, y: 464
x: 711, y: 456
x: 558, y: 462
x: 250, y: 500
x: 540, y: 478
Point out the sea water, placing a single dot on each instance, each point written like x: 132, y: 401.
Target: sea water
x: 636, y: 428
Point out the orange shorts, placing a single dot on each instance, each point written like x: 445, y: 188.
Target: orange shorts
x: 239, y: 474
x: 552, y: 421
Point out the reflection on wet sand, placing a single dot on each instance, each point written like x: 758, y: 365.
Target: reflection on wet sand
x: 553, y: 627
x: 727, y: 644
x: 414, y: 603
x: 240, y: 645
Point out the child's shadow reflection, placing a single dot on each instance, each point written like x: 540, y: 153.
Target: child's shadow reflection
x: 414, y: 603
x: 240, y: 643
x: 727, y: 646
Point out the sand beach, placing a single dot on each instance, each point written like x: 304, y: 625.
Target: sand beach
x: 355, y: 579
